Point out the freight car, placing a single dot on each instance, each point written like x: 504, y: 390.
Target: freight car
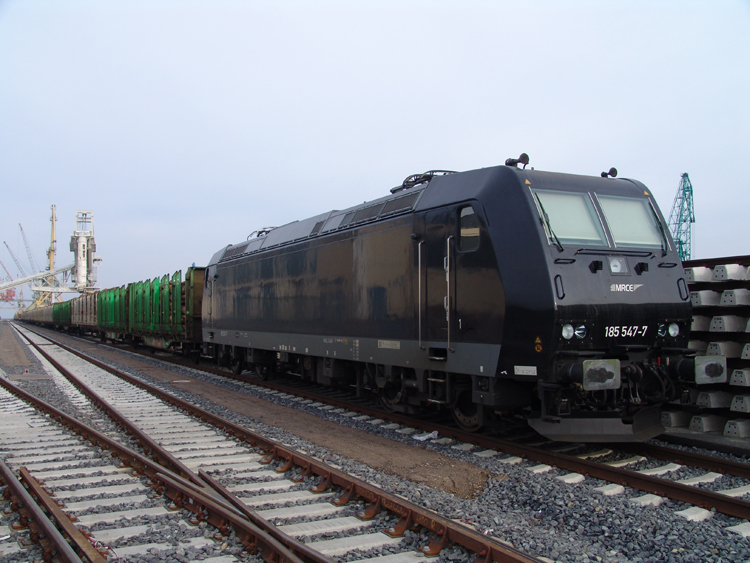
x: 497, y: 292
x: 163, y: 313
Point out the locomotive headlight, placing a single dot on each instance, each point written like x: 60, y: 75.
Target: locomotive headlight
x: 661, y: 330
x: 568, y: 331
x: 674, y: 330
x: 581, y: 332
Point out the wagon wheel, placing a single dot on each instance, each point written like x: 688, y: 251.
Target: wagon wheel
x: 464, y: 411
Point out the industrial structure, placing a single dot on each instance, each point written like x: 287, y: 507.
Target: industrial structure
x: 682, y: 217
x: 45, y: 285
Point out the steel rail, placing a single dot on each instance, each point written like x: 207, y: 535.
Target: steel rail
x: 59, y: 546
x: 253, y: 538
x: 444, y: 530
x: 148, y: 467
x: 150, y: 447
x: 81, y: 542
x: 252, y: 516
x: 707, y: 462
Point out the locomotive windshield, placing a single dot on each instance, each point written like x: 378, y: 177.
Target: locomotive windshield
x: 574, y: 218
x: 631, y: 221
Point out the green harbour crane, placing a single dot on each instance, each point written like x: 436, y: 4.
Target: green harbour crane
x: 682, y: 217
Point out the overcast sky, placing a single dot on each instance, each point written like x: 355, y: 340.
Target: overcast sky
x: 186, y: 125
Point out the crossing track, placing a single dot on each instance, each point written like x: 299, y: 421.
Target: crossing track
x: 232, y: 461
x: 43, y: 530
x: 80, y: 470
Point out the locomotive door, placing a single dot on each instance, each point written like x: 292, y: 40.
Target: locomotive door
x: 439, y: 275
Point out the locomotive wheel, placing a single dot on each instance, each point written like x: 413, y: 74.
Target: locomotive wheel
x: 390, y: 396
x: 465, y: 412
x: 238, y: 366
x: 263, y: 372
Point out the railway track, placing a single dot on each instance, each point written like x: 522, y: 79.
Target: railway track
x: 645, y: 467
x: 659, y: 472
x: 110, y: 492
x: 266, y: 482
x: 653, y: 469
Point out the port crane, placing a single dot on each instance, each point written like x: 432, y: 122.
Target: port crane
x: 682, y: 217
x: 45, y: 285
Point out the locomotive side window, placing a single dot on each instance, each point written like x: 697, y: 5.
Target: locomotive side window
x: 468, y: 236
x: 631, y: 222
x: 572, y: 217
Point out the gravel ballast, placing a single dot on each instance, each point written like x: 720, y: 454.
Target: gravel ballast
x: 533, y: 512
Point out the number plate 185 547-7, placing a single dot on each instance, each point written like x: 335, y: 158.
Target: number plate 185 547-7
x: 625, y: 331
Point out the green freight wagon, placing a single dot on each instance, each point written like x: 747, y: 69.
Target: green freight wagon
x: 61, y: 314
x: 165, y: 312
x: 112, y: 313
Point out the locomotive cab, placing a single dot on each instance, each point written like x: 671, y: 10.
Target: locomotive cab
x: 622, y: 310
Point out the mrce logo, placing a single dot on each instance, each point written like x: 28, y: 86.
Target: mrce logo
x: 628, y: 287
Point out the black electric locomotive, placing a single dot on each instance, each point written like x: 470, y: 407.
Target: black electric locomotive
x: 493, y: 292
